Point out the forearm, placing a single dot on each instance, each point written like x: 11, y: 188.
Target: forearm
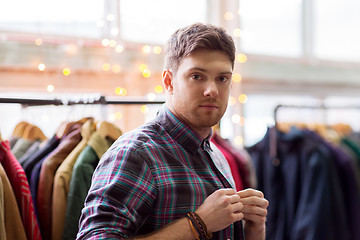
x: 179, y: 230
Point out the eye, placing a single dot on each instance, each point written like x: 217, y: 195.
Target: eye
x: 223, y: 78
x: 196, y: 77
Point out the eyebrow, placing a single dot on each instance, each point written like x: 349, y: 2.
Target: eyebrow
x: 204, y: 70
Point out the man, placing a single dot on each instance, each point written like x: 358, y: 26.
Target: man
x: 164, y: 180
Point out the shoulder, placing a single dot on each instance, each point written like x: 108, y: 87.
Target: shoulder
x: 138, y: 143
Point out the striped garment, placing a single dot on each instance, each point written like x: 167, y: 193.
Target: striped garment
x: 150, y: 177
x: 20, y: 186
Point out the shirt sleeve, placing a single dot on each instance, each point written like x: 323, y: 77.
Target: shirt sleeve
x: 120, y: 197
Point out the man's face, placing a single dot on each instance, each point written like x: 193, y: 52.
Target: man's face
x: 199, y: 90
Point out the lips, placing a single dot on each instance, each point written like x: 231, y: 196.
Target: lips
x: 208, y: 106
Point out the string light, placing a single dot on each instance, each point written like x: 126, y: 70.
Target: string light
x: 142, y: 67
x: 105, y: 42
x: 121, y: 91
x: 228, y: 16
x: 241, y: 58
x: 50, y: 88
x: 151, y: 96
x: 118, y: 115
x: 41, y: 67
x: 237, y: 32
x: 38, y: 42
x: 119, y: 48
x: 116, y: 68
x: 146, y: 73
x: 112, y: 43
x: 144, y: 109
x: 158, y: 89
x: 66, y: 71
x: 243, y: 98
x: 146, y: 49
x: 236, y: 78
x: 112, y: 117
x: 110, y: 17
x: 157, y: 50
x: 235, y: 118
x: 106, y: 67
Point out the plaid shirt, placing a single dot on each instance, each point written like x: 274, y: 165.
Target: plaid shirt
x: 150, y: 177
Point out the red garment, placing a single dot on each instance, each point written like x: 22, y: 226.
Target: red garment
x: 232, y: 163
x: 20, y: 186
x: 244, y: 166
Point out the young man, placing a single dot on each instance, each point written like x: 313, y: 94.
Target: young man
x: 150, y: 183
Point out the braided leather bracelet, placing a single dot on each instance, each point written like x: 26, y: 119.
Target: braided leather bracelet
x: 200, y: 225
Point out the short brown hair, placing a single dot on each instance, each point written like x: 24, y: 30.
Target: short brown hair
x: 188, y: 39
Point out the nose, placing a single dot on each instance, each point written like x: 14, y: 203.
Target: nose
x: 211, y: 89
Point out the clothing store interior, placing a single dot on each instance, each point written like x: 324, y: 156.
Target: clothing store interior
x: 291, y: 129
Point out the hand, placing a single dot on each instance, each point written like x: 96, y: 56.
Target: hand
x: 254, y: 210
x: 219, y: 210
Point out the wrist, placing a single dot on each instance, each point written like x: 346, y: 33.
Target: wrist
x: 196, y: 223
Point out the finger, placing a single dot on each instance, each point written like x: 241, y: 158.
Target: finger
x: 237, y: 207
x: 228, y: 191
x: 258, y: 219
x: 250, y: 192
x: 261, y: 202
x: 237, y: 216
x: 254, y: 210
x: 235, y: 199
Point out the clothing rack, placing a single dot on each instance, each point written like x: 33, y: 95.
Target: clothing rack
x: 321, y: 107
x: 273, y: 137
x: 80, y: 100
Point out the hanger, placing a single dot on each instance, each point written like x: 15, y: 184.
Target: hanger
x: 19, y: 129
x: 33, y: 133
x: 65, y: 127
x: 108, y: 130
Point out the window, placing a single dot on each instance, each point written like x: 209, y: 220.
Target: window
x: 66, y: 17
x: 144, y: 20
x: 336, y: 34
x: 271, y: 27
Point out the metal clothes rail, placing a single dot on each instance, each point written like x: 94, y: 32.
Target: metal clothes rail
x: 320, y: 107
x: 80, y: 100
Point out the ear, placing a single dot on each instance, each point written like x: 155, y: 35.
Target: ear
x: 167, y: 78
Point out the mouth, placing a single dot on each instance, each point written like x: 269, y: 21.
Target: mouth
x: 208, y: 106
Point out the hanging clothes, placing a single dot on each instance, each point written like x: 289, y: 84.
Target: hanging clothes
x: 37, y: 156
x: 240, y: 163
x: 21, y: 189
x: 14, y: 227
x: 298, y: 175
x: 46, y: 178
x: 62, y: 181
x: 235, y: 171
x: 81, y: 180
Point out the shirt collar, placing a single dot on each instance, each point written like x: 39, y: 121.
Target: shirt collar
x: 182, y: 133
